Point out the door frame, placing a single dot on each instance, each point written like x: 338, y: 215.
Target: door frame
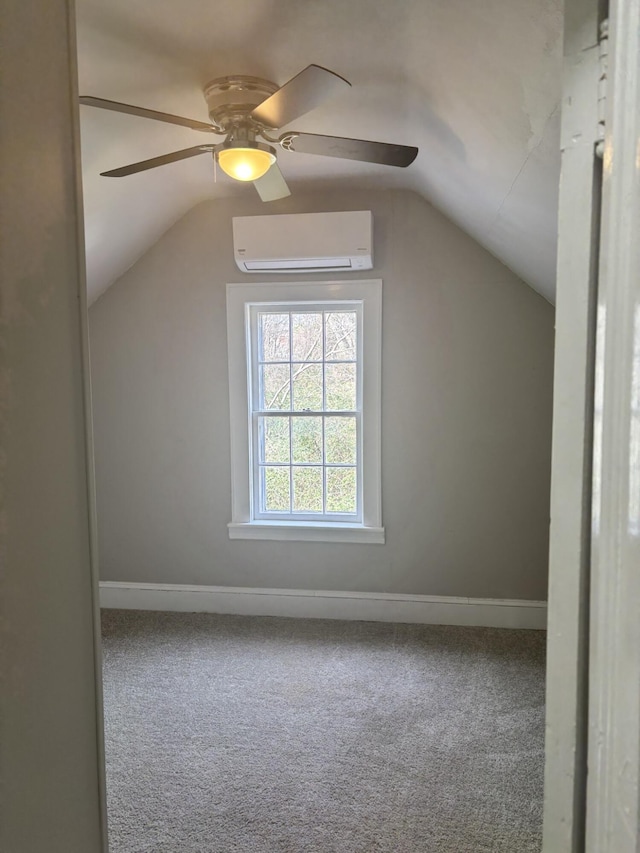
x: 593, y: 677
x: 613, y: 786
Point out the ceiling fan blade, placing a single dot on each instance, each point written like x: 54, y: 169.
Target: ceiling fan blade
x: 299, y: 95
x: 90, y: 101
x: 350, y: 149
x: 143, y: 165
x: 272, y: 185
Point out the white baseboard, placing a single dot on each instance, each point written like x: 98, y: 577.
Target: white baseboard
x: 321, y: 604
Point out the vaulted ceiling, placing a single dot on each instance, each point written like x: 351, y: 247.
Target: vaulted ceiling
x: 474, y: 83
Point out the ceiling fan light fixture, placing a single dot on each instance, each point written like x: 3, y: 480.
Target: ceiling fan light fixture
x: 246, y: 162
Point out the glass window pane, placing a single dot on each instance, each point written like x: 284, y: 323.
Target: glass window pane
x: 340, y: 382
x: 275, y: 488
x: 307, y: 387
x: 274, y: 440
x: 340, y: 336
x: 307, y: 489
x: 340, y: 441
x: 341, y: 490
x: 306, y: 330
x: 274, y: 337
x: 306, y: 434
x: 275, y: 386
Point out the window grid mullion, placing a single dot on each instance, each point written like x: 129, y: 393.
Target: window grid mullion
x: 307, y: 465
x: 310, y: 361
x: 291, y: 409
x: 312, y: 413
x: 324, y: 406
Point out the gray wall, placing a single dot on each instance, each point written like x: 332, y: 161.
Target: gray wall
x: 467, y: 381
x: 49, y: 706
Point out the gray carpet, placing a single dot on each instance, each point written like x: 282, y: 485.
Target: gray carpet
x: 262, y: 735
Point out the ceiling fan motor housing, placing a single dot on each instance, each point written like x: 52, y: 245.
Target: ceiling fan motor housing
x: 232, y: 99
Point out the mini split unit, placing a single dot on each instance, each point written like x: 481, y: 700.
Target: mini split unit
x: 305, y: 242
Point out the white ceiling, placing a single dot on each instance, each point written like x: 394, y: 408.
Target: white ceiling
x: 474, y: 83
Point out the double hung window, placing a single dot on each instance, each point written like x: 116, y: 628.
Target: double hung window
x: 306, y: 411
x: 304, y: 368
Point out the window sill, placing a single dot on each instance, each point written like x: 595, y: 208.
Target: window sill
x: 306, y: 532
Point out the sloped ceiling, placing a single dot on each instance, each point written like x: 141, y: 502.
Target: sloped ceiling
x: 474, y: 83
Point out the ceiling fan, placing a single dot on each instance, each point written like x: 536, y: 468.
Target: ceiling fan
x: 247, y: 109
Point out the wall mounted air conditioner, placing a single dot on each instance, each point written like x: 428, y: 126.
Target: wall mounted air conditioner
x: 304, y: 242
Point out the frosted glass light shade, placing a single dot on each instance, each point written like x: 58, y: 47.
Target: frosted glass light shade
x: 245, y: 164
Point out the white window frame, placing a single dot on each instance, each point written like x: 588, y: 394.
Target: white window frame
x: 367, y: 296
x: 254, y: 312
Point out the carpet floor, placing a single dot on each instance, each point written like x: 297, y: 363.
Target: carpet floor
x: 230, y: 734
